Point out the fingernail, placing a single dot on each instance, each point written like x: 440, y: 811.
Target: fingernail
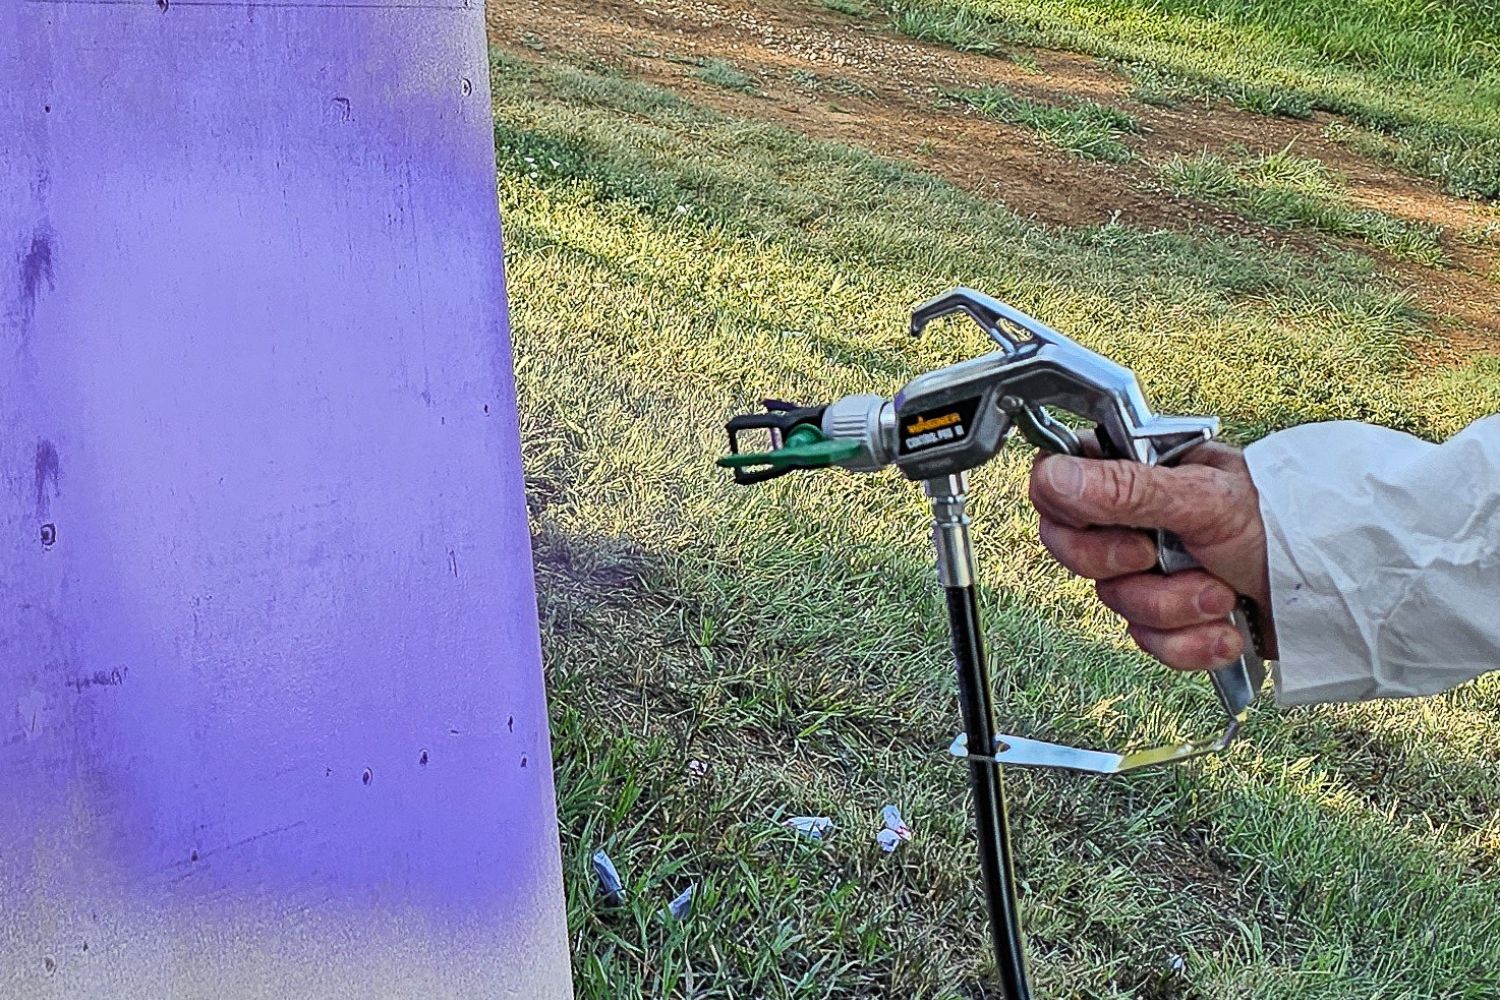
x: 1065, y: 476
x: 1214, y: 600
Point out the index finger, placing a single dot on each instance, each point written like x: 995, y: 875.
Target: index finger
x: 1085, y: 492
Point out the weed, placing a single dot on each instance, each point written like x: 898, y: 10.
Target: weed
x: 1361, y: 140
x: 1027, y: 62
x: 1150, y: 84
x: 1285, y: 190
x: 1272, y: 101
x: 1481, y: 234
x: 853, y: 8
x: 723, y: 73
x: 1082, y: 127
x: 958, y: 28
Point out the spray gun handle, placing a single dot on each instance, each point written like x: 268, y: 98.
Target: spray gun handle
x: 1238, y: 682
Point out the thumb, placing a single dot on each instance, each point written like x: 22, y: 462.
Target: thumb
x: 1087, y: 492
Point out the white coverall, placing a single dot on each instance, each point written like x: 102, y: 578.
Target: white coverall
x: 1384, y: 554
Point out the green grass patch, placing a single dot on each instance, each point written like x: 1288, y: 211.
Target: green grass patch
x: 1272, y: 101
x: 956, y: 28
x: 669, y: 266
x: 1424, y: 76
x: 1481, y: 234
x: 1028, y: 63
x: 723, y: 73
x: 1435, y: 153
x: 853, y: 8
x: 1083, y: 127
x: 1151, y: 84
x: 1365, y: 141
x: 1286, y: 190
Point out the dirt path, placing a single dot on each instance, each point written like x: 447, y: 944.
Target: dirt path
x: 830, y: 76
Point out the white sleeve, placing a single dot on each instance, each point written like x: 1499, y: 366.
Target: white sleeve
x: 1384, y: 554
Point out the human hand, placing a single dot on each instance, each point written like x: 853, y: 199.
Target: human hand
x: 1092, y: 510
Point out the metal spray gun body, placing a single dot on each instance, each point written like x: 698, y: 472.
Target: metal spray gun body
x: 937, y: 428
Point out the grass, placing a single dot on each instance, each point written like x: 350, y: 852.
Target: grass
x: 1028, y: 63
x: 723, y: 73
x: 1424, y: 77
x: 1282, y: 189
x: 957, y: 28
x: 1086, y: 128
x: 669, y: 266
x: 853, y: 8
x: 1150, y: 84
x: 1483, y: 234
x: 1153, y: 84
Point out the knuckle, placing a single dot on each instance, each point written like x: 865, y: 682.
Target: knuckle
x: 1156, y: 644
x: 1179, y: 651
x: 1138, y: 601
x: 1214, y: 508
x: 1200, y: 648
x: 1164, y: 606
x: 1122, y: 486
x: 1198, y: 651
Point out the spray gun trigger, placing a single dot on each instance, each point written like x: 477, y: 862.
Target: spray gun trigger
x: 1040, y: 428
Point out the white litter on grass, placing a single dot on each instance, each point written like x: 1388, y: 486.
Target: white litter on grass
x: 816, y: 827
x: 610, y: 886
x: 894, y: 832
x: 682, y: 907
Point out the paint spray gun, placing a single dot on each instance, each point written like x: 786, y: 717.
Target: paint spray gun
x: 936, y: 429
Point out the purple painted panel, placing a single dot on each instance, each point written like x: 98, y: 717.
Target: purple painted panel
x: 271, y: 709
